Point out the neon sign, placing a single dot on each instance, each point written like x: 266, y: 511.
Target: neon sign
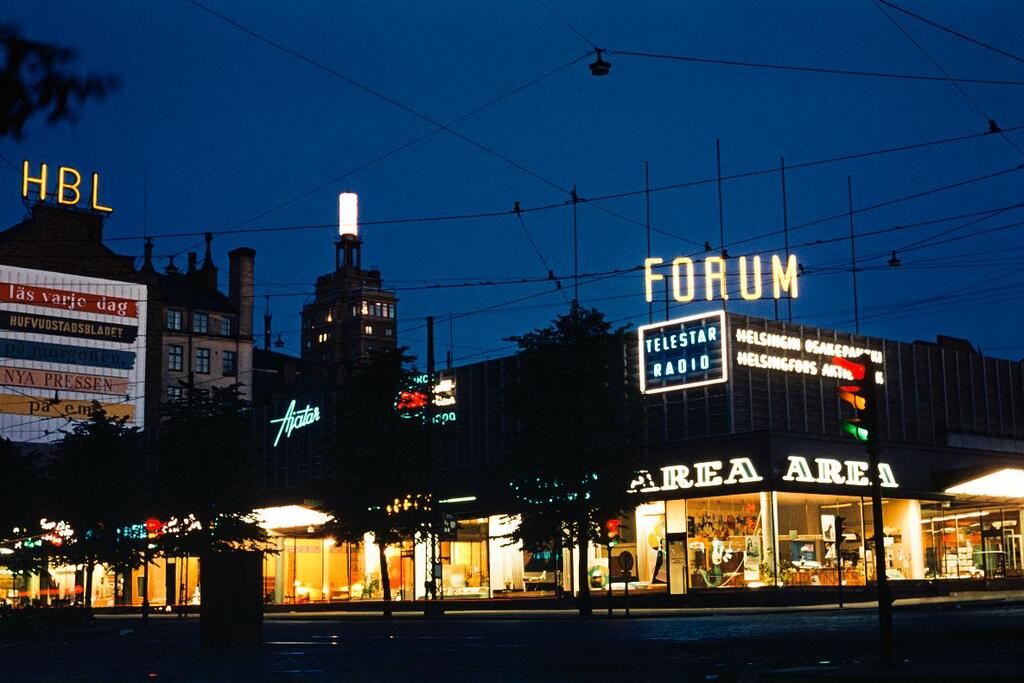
x: 683, y: 353
x: 294, y: 419
x: 735, y: 471
x: 795, y: 354
x: 683, y: 276
x: 69, y: 181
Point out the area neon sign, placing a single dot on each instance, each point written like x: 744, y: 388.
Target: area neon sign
x: 295, y: 419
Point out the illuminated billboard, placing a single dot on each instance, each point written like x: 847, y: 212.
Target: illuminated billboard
x: 683, y: 353
x: 66, y: 341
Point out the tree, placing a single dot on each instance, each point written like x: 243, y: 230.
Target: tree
x: 21, y: 489
x: 202, y: 477
x: 95, y: 487
x: 579, y: 418
x: 34, y: 81
x: 382, y: 460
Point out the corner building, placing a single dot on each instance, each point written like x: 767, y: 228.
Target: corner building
x: 747, y: 471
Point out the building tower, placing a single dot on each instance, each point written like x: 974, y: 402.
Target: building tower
x: 351, y: 314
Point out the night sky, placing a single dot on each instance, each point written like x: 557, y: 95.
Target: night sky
x: 225, y: 131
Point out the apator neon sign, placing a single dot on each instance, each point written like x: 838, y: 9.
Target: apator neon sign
x: 294, y: 419
x: 683, y: 277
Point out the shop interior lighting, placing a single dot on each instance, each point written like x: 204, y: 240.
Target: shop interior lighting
x: 947, y: 518
x: 290, y: 516
x: 1006, y: 483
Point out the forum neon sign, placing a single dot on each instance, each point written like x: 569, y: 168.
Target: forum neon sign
x: 683, y: 275
x: 295, y: 419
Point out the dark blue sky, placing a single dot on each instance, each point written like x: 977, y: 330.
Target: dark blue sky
x: 227, y: 128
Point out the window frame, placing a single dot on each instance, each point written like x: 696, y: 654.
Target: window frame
x: 203, y: 353
x: 176, y: 351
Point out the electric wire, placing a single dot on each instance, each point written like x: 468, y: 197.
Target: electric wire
x: 951, y: 31
x: 945, y: 73
x: 375, y: 93
x: 569, y: 26
x: 557, y: 205
x: 810, y: 69
x: 412, y: 142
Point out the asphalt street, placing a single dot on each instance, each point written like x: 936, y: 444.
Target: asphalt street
x: 970, y: 643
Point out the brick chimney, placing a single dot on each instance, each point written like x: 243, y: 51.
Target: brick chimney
x: 240, y: 287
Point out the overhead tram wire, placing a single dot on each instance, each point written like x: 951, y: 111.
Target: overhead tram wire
x: 455, y: 283
x: 569, y: 26
x: 810, y: 69
x: 954, y: 32
x: 946, y: 74
x: 337, y: 179
x: 562, y: 204
x: 375, y: 93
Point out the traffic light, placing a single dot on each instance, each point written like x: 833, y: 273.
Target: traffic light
x: 611, y: 532
x: 860, y: 395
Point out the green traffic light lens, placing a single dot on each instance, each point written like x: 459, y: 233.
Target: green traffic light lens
x: 856, y: 432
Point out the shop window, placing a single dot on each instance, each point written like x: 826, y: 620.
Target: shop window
x: 175, y: 357
x: 464, y: 561
x: 807, y: 544
x: 970, y: 542
x: 203, y: 361
x: 230, y: 362
x: 200, y: 323
x: 174, y: 319
x: 726, y: 542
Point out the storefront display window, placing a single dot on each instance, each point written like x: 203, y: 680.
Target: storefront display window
x: 809, y: 549
x: 725, y: 548
x: 464, y: 562
x: 962, y: 542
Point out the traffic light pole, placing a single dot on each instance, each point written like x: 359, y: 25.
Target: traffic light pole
x: 881, y: 579
x: 609, y: 580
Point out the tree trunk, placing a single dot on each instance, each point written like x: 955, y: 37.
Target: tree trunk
x: 385, y: 580
x: 582, y: 543
x: 89, y: 566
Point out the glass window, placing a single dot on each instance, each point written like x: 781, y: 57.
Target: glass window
x: 230, y: 363
x: 174, y: 393
x: 368, y: 329
x: 464, y: 561
x: 203, y: 361
x: 227, y: 326
x: 727, y: 542
x: 175, y: 357
x: 174, y: 319
x: 200, y: 323
x: 388, y: 332
x: 366, y: 308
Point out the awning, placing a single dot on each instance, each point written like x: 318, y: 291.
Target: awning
x: 1007, y: 482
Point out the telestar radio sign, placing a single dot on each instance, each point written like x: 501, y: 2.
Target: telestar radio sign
x: 683, y: 353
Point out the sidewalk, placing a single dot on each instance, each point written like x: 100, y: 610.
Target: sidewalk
x: 454, y: 610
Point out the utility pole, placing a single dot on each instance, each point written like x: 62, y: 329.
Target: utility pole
x: 853, y: 257
x: 647, y: 202
x: 721, y: 217
x: 575, y: 251
x: 785, y: 234
x: 885, y: 598
x: 437, y: 514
